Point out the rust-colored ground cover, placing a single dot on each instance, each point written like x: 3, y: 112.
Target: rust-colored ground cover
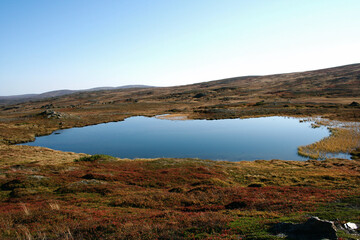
x: 107, y: 198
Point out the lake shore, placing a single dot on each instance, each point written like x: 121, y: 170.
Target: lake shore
x: 226, y: 139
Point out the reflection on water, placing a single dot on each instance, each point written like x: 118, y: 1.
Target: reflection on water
x: 230, y: 139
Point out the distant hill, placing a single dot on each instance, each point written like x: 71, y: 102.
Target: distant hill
x: 335, y: 83
x: 4, y: 100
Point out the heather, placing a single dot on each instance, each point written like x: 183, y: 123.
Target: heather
x: 101, y: 197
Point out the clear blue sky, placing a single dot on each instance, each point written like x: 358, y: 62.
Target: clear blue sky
x: 76, y: 44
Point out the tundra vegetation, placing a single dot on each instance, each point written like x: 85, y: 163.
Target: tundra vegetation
x: 47, y: 194
x: 103, y: 197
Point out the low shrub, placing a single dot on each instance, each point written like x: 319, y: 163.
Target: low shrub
x: 96, y: 157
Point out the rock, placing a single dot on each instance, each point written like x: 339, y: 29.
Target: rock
x: 350, y: 227
x: 48, y: 106
x: 313, y: 229
x: 37, y: 177
x: 48, y: 113
x: 87, y: 182
x: 354, y: 104
x: 199, y: 95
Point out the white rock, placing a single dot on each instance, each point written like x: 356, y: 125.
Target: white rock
x: 350, y: 226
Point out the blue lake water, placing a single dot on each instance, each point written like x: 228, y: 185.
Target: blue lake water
x: 230, y: 139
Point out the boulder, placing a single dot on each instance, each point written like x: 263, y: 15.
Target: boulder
x: 49, y: 113
x: 354, y: 104
x: 313, y: 229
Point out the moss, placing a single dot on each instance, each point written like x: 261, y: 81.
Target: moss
x: 347, y: 209
x: 29, y: 182
x: 251, y: 228
x: 344, y: 235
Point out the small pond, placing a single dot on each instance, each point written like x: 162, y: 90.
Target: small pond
x: 230, y: 139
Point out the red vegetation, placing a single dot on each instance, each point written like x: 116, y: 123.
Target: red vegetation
x: 162, y: 199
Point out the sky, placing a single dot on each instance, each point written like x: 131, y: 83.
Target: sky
x: 79, y: 44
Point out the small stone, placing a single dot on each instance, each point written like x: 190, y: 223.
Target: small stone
x: 350, y: 226
x: 37, y: 177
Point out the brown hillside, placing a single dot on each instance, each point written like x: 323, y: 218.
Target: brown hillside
x: 327, y: 92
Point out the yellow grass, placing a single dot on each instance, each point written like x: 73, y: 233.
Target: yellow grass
x: 342, y: 140
x: 174, y: 116
x: 19, y: 154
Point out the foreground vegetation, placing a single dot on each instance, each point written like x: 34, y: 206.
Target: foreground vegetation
x: 103, y: 197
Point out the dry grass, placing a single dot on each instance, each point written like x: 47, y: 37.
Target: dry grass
x: 343, y: 139
x: 21, y: 154
x: 173, y: 116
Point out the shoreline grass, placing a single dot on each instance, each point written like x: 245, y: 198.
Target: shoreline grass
x: 343, y: 139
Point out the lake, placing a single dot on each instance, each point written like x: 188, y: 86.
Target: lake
x: 229, y: 139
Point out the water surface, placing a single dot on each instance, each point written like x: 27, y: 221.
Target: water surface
x: 230, y: 139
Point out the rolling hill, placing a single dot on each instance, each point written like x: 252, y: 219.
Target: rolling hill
x: 31, y: 97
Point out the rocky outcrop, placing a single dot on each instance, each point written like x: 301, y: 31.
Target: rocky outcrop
x: 313, y: 229
x: 51, y: 114
x: 48, y: 106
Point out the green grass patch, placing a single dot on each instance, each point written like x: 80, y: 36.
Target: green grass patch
x: 347, y: 209
x: 96, y: 157
x: 253, y: 228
